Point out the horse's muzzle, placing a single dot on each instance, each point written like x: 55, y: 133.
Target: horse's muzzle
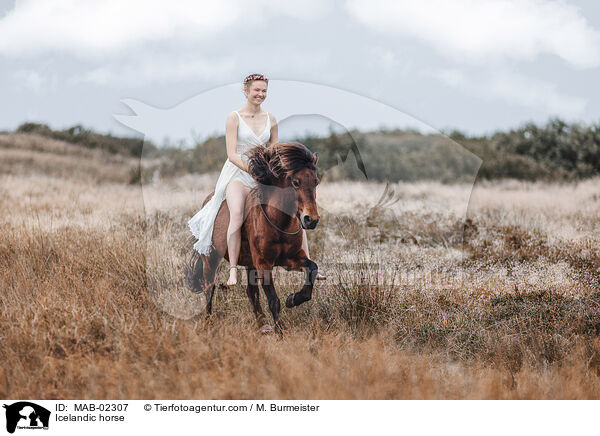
x: 308, y: 223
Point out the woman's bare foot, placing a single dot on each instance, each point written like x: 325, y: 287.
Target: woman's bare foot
x: 232, y: 276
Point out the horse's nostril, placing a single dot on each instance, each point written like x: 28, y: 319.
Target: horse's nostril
x: 307, y: 219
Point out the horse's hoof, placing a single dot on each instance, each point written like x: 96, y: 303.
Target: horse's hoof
x: 289, y: 302
x: 266, y: 329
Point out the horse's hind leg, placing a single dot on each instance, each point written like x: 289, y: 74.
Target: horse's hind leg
x: 305, y: 293
x: 194, y: 272
x: 210, y: 265
x: 209, y: 292
x: 200, y: 278
x: 253, y: 295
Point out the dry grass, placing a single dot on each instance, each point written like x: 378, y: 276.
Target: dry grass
x: 91, y: 304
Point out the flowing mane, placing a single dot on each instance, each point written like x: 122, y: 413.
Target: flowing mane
x: 270, y: 165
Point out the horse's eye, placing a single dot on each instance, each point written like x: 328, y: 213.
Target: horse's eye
x: 295, y: 183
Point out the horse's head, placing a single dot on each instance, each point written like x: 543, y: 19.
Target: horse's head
x: 305, y: 182
x: 289, y: 166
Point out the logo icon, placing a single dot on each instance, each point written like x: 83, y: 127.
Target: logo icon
x: 26, y: 415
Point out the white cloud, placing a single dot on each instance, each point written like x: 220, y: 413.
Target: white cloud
x: 135, y: 42
x: 480, y: 30
x: 385, y: 57
x: 30, y: 79
x: 450, y: 76
x: 104, y: 28
x: 515, y: 89
x: 155, y: 69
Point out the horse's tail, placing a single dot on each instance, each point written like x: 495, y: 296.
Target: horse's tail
x: 194, y: 272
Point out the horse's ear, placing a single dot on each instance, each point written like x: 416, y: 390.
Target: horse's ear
x: 315, y: 158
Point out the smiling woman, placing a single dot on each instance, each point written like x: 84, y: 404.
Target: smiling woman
x: 235, y: 182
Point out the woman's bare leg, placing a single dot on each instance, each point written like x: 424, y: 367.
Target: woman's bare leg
x: 305, y: 243
x: 305, y: 248
x: 235, y: 194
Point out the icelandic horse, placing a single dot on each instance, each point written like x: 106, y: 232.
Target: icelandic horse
x: 276, y: 210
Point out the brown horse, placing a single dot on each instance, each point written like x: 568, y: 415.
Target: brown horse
x: 282, y: 203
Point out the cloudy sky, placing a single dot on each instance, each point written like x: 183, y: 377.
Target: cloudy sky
x: 474, y: 65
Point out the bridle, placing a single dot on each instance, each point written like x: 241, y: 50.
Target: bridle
x: 259, y: 196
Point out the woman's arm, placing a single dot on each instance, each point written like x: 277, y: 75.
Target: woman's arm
x: 231, y: 127
x: 274, y: 139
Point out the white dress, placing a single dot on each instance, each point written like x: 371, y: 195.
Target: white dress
x: 203, y: 223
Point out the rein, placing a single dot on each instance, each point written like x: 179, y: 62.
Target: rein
x: 282, y: 231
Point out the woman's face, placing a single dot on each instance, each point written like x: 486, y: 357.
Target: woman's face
x: 257, y: 91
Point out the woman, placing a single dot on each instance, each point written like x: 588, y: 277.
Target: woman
x: 235, y: 182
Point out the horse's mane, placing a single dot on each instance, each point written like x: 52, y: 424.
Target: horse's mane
x: 269, y: 165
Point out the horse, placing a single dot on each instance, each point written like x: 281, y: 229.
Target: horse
x: 281, y: 204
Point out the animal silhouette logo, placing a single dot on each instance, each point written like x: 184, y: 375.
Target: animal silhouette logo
x: 26, y: 415
x: 326, y: 120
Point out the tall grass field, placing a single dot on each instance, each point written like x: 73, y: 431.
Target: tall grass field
x: 443, y: 293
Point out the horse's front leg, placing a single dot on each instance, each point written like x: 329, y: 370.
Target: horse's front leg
x: 310, y: 269
x: 253, y: 296
x: 265, y: 275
